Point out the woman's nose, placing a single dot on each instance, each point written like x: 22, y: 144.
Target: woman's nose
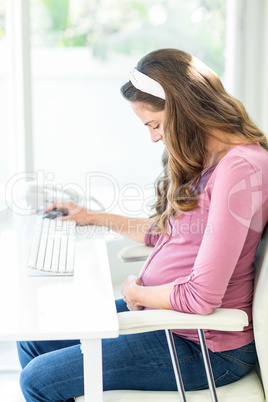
x: 155, y: 137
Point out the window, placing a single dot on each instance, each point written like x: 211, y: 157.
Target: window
x: 82, y: 52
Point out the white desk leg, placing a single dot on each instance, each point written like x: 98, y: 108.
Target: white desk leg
x: 91, y: 349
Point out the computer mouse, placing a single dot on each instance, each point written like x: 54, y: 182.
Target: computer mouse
x: 56, y: 213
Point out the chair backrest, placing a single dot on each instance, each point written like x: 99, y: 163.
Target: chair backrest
x: 260, y: 307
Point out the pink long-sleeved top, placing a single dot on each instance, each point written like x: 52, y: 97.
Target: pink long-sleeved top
x: 210, y: 254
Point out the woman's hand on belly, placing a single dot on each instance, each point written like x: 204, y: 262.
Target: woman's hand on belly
x: 137, y: 296
x: 129, y: 284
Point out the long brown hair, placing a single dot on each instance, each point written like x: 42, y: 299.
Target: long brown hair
x: 196, y: 102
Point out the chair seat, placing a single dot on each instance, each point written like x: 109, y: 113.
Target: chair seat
x: 135, y: 253
x: 248, y: 389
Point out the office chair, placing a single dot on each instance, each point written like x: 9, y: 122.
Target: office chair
x: 251, y: 388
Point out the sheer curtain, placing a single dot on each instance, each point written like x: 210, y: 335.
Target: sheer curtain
x: 79, y: 116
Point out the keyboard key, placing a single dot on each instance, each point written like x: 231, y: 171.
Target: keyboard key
x: 52, y: 247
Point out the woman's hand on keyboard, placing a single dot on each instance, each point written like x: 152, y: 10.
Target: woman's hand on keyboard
x: 74, y: 212
x: 132, y: 228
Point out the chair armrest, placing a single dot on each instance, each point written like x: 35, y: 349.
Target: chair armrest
x: 135, y: 253
x: 133, y: 322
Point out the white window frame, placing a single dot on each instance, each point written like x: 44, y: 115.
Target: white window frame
x: 19, y: 86
x: 247, y: 56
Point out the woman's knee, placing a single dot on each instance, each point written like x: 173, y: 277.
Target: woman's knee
x: 29, y: 384
x: 27, y: 351
x: 54, y: 376
x: 34, y: 381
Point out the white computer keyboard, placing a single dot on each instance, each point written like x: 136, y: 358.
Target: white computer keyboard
x: 52, y: 247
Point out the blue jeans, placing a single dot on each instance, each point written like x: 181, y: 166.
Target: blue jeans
x: 53, y: 370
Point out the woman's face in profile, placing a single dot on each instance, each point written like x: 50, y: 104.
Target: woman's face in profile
x: 152, y: 120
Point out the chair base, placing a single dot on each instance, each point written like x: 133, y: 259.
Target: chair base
x: 248, y: 389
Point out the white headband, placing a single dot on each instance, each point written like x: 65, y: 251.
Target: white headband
x: 146, y: 84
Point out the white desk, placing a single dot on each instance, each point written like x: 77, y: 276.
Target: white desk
x: 52, y: 308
